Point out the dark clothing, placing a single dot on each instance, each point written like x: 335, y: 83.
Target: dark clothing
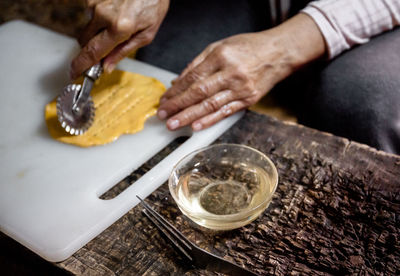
x: 191, y: 25
x: 356, y: 95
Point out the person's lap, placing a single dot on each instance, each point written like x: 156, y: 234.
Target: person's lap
x: 357, y: 95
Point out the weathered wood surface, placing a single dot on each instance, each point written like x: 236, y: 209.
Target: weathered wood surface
x: 336, y: 211
x: 66, y: 16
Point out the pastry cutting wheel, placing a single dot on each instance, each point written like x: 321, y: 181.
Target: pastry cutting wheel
x: 75, y: 108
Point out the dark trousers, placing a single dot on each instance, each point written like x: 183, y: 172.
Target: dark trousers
x: 356, y: 95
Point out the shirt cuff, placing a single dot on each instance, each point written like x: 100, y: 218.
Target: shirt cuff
x: 333, y: 38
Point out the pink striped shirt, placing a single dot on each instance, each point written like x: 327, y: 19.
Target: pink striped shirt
x: 345, y: 23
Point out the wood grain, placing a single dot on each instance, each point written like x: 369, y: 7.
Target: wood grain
x: 336, y: 211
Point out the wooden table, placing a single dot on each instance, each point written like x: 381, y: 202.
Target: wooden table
x: 336, y: 211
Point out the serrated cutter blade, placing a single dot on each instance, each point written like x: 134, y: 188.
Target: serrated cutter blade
x: 74, y: 122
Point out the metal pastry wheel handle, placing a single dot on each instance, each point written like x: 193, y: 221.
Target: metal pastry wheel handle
x: 91, y: 75
x: 94, y: 72
x: 75, y: 108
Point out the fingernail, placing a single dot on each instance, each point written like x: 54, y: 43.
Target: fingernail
x: 162, y: 114
x: 163, y: 100
x: 173, y: 124
x: 109, y: 68
x: 197, y: 126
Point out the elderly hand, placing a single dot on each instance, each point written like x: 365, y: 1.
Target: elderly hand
x: 236, y: 72
x: 117, y: 29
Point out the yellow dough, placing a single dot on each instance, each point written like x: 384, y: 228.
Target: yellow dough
x: 123, y: 102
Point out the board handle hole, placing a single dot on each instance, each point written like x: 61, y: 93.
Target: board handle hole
x: 121, y: 186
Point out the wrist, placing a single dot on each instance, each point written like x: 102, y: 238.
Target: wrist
x: 302, y: 39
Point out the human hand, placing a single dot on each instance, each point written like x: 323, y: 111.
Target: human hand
x: 236, y: 72
x: 117, y: 29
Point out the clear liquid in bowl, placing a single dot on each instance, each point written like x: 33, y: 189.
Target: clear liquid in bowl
x: 223, y: 188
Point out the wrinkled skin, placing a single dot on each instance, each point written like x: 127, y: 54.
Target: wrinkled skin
x: 117, y: 29
x: 229, y: 75
x: 236, y: 72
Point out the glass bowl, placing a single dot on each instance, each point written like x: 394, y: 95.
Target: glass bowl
x: 223, y: 186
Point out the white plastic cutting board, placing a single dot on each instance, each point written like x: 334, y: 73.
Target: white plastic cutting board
x: 49, y: 191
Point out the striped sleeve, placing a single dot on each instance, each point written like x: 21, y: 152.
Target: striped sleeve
x: 345, y: 23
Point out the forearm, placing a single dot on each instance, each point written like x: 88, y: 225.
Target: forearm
x: 300, y: 40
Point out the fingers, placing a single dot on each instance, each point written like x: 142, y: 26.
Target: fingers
x: 199, y: 59
x: 217, y: 116
x: 206, y: 68
x: 116, y: 30
x: 94, y: 27
x: 196, y: 93
x: 102, y: 19
x: 208, y: 106
x: 126, y: 48
x: 93, y: 52
x: 104, y: 32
